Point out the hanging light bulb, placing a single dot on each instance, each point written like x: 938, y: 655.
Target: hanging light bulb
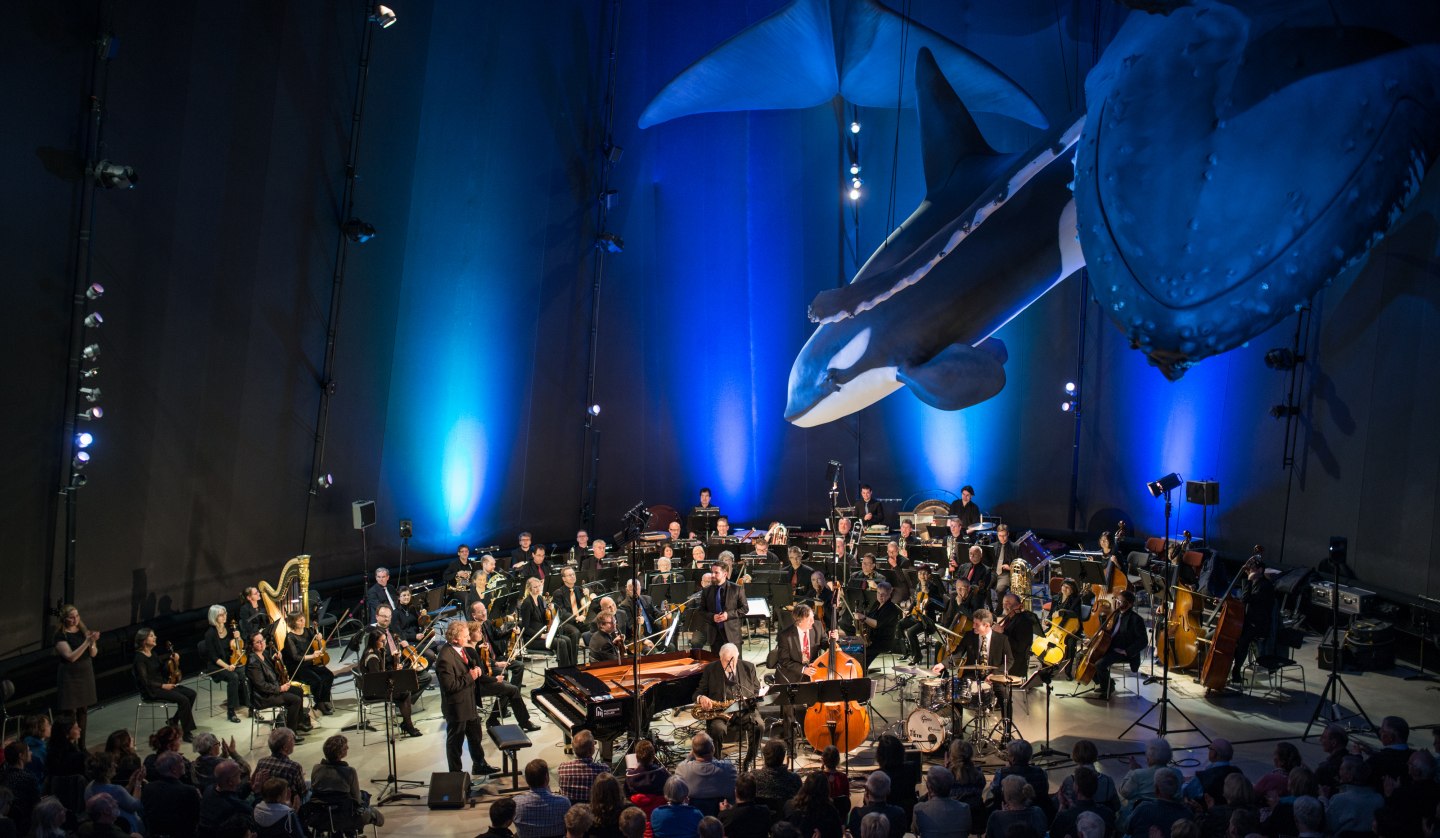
x: 854, y: 168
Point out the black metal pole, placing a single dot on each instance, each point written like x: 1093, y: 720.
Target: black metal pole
x: 1078, y: 404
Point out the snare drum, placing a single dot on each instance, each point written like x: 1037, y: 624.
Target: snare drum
x: 925, y: 730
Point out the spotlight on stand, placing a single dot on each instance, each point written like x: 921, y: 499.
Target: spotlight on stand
x: 325, y: 481
x: 1072, y: 398
x: 1168, y: 483
x: 92, y: 413
x: 83, y: 439
x: 593, y: 410
x: 611, y: 242
x: 91, y: 352
x: 114, y: 175
x: 78, y: 480
x: 1280, y: 411
x: 613, y: 153
x: 93, y: 320
x: 855, y: 127
x: 81, y: 460
x: 358, y: 231
x: 1282, y: 359
x: 91, y: 394
x: 383, y: 16
x: 90, y: 373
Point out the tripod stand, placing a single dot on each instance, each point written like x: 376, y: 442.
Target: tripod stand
x: 1164, y: 704
x: 385, y: 684
x: 1335, y: 683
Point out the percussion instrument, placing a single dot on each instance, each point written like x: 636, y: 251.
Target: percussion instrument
x: 1006, y: 680
x: 926, y: 730
x: 935, y: 692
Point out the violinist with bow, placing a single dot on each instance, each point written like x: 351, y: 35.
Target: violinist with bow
x: 270, y: 685
x: 483, y: 654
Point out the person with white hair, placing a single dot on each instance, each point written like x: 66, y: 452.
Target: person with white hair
x: 1089, y: 825
x: 1138, y: 784
x: 722, y: 683
x: 1162, y: 812
x: 676, y: 818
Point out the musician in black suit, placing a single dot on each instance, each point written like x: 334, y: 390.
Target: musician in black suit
x: 965, y: 508
x: 870, y: 510
x: 534, y: 566
x: 377, y: 658
x: 760, y: 552
x: 457, y: 701
x: 1005, y: 553
x: 604, y: 640
x: 922, y: 615
x: 954, y: 549
x: 979, y: 577
x: 723, y: 682
x: 908, y: 537
x: 1257, y: 592
x: 572, y: 605
x: 299, y: 656
x: 1019, y: 625
x: 799, y: 646
x: 492, y: 667
x: 380, y: 593
x: 520, y: 556
x: 984, y: 647
x: 250, y: 615
x: 592, y: 564
x: 462, y: 563
x: 799, y: 575
x: 1127, y: 641
x: 722, y: 609
x: 267, y: 690
x: 632, y: 608
x: 534, y: 616
x: 405, y: 619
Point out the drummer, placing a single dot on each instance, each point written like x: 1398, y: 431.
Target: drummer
x: 981, y: 653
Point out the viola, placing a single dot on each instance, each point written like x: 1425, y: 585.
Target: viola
x: 237, y: 647
x: 172, y: 664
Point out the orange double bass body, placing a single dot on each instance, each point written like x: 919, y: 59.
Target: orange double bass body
x: 1178, y: 636
x: 1224, y: 645
x: 843, y: 724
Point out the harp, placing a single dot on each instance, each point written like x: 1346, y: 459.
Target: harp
x: 290, y: 595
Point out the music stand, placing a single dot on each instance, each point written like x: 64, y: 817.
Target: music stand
x: 841, y: 690
x: 375, y: 686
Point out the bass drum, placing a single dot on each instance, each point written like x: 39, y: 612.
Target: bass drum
x: 925, y: 730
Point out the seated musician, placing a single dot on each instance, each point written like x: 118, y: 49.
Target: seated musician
x: 268, y: 689
x: 868, y: 577
x: 882, y: 624
x: 380, y: 593
x: 722, y: 682
x: 487, y: 657
x: 870, y: 510
x: 1127, y: 641
x: 894, y: 562
x: 521, y: 556
x: 397, y: 646
x: 605, y: 640
x: 908, y: 537
x: 534, y: 566
x: 820, y: 596
x: 698, y: 557
x: 965, y: 508
x: 928, y: 603
x: 405, y: 619
x: 641, y: 608
x: 722, y: 531
x: 300, y: 658
x: 251, y: 616
x: 461, y: 565
x: 799, y: 571
x: 377, y: 658
x: 979, y: 577
x: 982, y: 647
x: 760, y: 552
x: 1018, y: 624
x: 499, y: 640
x: 1257, y: 592
x: 216, y: 652
x: 1067, y: 606
x: 148, y: 667
x: 535, y: 616
x: 572, y: 603
x: 1005, y: 552
x: 1110, y: 555
x: 955, y: 540
x: 673, y: 531
x: 594, y: 562
x: 798, y: 648
x: 665, y: 574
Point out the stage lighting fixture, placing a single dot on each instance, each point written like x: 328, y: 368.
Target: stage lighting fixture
x: 611, y: 242
x: 1070, y: 387
x: 613, y: 153
x: 384, y: 16
x: 91, y: 394
x: 91, y: 352
x: 90, y: 373
x: 95, y: 291
x: 83, y: 439
x: 93, y: 320
x: 1282, y: 359
x: 610, y: 198
x: 1168, y: 483
x: 855, y: 127
x: 115, y: 175
x: 1280, y: 411
x: 854, y: 168
x: 1072, y: 398
x: 856, y: 182
x: 854, y: 194
x: 594, y: 410
x: 78, y: 481
x: 358, y: 231
x: 80, y: 460
x: 92, y: 413
x: 325, y: 481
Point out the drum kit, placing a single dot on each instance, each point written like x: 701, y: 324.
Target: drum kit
x: 943, y: 702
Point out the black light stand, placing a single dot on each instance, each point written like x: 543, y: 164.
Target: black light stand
x: 633, y: 523
x: 1165, y: 485
x: 1335, y: 683
x: 1046, y: 674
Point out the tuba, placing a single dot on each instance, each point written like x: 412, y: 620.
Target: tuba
x: 1020, y: 580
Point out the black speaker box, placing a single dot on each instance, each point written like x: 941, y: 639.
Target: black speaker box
x: 449, y: 789
x: 362, y: 514
x: 1205, y: 492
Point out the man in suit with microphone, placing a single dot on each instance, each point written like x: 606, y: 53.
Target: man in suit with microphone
x: 722, y: 609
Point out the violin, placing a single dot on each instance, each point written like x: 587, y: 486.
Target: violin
x: 237, y: 647
x: 172, y: 664
x: 317, y: 648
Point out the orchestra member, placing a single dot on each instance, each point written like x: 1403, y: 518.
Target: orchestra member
x: 698, y: 557
x: 673, y: 531
x: 722, y: 609
x: 799, y: 571
x: 405, y: 619
x: 799, y: 646
x: 958, y: 605
x: 928, y: 603
x: 1127, y: 642
x: 148, y: 668
x: 966, y: 509
x: 723, y: 682
x: 596, y: 560
x: 377, y: 658
x: 268, y: 690
x: 867, y: 578
x: 665, y: 574
x: 520, y: 556
x: 1111, y: 557
x: 1069, y: 604
x: 722, y: 531
x: 380, y: 594
x: 1257, y: 592
x: 704, y: 497
x: 908, y: 538
x: 759, y: 552
x: 300, y: 660
x: 605, y: 640
x: 534, y: 566
x: 978, y: 575
x: 394, y: 645
x: 535, y: 613
x: 870, y: 510
x: 251, y: 616
x: 215, y: 649
x: 628, y: 613
x: 457, y: 702
x: 492, y: 671
x: 982, y: 646
x: 883, y: 624
x: 462, y: 564
x: 1004, y: 553
x: 573, y: 605
x: 845, y: 528
x: 893, y: 560
x: 1018, y: 624
x: 954, y: 547
x: 821, y: 599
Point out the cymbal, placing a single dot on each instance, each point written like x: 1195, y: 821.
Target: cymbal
x: 983, y: 526
x: 1012, y: 680
x: 975, y: 667
x: 907, y: 670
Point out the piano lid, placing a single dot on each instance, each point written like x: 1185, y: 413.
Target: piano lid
x: 608, y: 680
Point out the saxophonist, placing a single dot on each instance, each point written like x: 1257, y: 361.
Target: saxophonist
x: 723, y: 682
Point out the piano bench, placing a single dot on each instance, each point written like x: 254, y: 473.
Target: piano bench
x: 510, y: 739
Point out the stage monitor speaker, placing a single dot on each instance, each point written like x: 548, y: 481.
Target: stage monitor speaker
x: 449, y: 789
x: 1203, y: 492
x: 362, y: 514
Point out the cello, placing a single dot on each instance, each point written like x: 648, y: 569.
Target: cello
x: 1086, y: 662
x: 843, y: 724
x: 1115, y: 578
x: 1178, y: 636
x: 1225, y: 638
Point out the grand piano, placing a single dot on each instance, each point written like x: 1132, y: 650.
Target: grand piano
x: 600, y: 697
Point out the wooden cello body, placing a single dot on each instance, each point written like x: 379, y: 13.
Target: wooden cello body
x: 1099, y: 644
x: 843, y: 724
x: 1178, y: 636
x: 1224, y: 643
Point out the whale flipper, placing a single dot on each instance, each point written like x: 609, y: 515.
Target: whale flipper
x: 959, y: 376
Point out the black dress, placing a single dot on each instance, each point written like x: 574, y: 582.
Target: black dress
x: 76, y: 681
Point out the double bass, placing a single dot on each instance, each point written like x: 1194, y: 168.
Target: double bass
x: 1225, y: 638
x: 842, y: 724
x: 1178, y: 635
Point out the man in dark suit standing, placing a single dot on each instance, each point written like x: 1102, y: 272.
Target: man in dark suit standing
x: 722, y: 609
x: 380, y: 593
x: 1127, y: 640
x: 723, y: 682
x: 457, y: 702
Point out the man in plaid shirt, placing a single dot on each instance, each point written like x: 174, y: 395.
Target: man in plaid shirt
x: 577, y: 775
x: 540, y: 812
x: 279, y: 765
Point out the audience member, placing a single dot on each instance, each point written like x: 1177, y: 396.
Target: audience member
x: 578, y: 775
x: 1277, y: 780
x: 223, y: 800
x: 749, y: 817
x: 1017, y: 806
x: 774, y: 783
x: 836, y: 780
x: 539, y: 812
x: 102, y: 818
x: 210, y: 751
x: 7, y: 826
x: 677, y: 818
x: 1139, y: 782
x: 1236, y: 795
x: 63, y: 756
x: 1084, y: 753
x: 648, y: 776
x: 877, y: 796
x: 1416, y: 800
x: 1210, y: 779
x: 1335, y: 742
x: 875, y: 825
x: 607, y: 801
x: 280, y: 766
x: 48, y: 819
x: 502, y: 814
x: 1391, y: 760
x: 633, y: 823
x: 1089, y: 825
x: 940, y: 815
x: 37, y: 736
x: 275, y: 815
x: 710, y: 827
x: 904, y: 776
x: 333, y: 778
x: 1309, y: 817
x: 1017, y: 764
x: 810, y: 810
x: 1164, y: 810
x: 706, y: 776
x: 171, y: 806
x: 24, y: 788
x: 1353, y: 808
x: 1084, y: 787
x: 100, y: 771
x: 969, y: 785
x: 578, y: 821
x: 121, y: 745
x: 1281, y: 820
x: 164, y: 740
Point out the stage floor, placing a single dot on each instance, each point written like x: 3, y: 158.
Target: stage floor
x: 1254, y: 721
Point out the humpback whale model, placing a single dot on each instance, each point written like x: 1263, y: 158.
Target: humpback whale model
x: 994, y: 232
x: 812, y: 50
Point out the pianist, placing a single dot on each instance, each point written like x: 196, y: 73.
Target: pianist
x: 722, y: 683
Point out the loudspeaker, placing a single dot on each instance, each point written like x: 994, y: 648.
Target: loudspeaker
x: 449, y: 789
x: 362, y: 513
x: 407, y: 529
x: 1204, y: 492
